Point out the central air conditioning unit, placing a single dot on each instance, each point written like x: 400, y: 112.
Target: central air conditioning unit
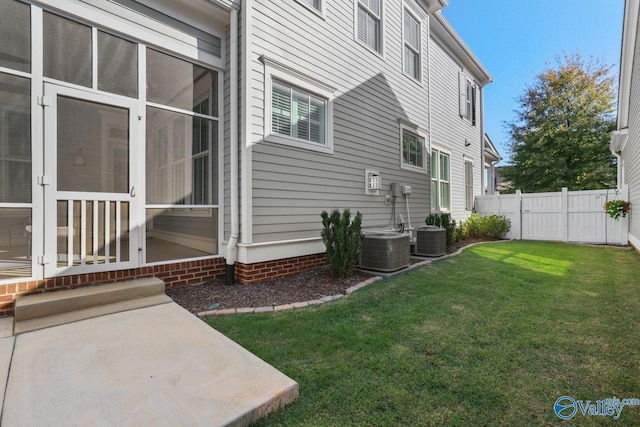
x: 431, y: 241
x: 385, y: 251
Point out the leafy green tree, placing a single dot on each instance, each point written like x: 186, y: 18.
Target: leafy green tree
x: 560, y: 137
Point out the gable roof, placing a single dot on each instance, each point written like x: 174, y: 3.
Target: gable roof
x: 489, y: 150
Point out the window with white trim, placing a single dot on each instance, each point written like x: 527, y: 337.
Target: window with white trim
x: 467, y: 99
x: 440, y: 174
x: 316, y: 6
x: 297, y: 114
x: 468, y: 185
x: 369, y: 23
x: 412, y: 37
x: 413, y: 148
x: 298, y: 109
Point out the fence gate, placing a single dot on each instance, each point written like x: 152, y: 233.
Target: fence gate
x: 568, y: 216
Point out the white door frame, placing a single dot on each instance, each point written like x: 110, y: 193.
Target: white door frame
x: 86, y: 261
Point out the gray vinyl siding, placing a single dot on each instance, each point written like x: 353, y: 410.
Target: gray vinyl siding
x: 292, y: 186
x: 631, y: 153
x: 449, y: 130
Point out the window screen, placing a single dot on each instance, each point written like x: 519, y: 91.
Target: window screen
x: 67, y: 50
x: 15, y: 35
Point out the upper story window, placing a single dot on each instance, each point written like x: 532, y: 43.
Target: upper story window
x: 412, y: 38
x: 369, y: 23
x: 467, y: 99
x: 318, y: 5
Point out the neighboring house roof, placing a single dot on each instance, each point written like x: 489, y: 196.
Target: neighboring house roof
x: 490, y: 152
x: 441, y: 28
x: 629, y: 31
x: 501, y: 183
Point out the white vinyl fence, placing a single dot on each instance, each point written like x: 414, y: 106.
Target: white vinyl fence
x: 567, y: 216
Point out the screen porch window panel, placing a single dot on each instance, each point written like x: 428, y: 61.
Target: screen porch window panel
x: 67, y: 50
x: 178, y: 83
x: 15, y: 139
x: 179, y: 169
x: 15, y: 33
x: 117, y: 65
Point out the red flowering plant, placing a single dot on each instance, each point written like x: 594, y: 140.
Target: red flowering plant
x: 617, y: 208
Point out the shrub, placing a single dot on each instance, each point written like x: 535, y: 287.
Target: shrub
x: 496, y: 226
x: 342, y: 238
x: 472, y: 226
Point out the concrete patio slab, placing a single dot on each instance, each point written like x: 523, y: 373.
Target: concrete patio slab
x: 157, y: 366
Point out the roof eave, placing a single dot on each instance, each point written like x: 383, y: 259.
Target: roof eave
x: 435, y: 5
x: 627, y: 53
x: 441, y: 28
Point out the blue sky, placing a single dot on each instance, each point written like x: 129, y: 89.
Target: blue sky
x: 514, y: 39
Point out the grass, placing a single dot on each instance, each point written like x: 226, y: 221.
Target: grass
x: 490, y: 337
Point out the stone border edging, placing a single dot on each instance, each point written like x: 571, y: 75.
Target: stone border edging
x: 295, y: 305
x: 291, y: 306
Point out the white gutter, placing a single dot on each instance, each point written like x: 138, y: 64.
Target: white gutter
x: 234, y: 114
x: 450, y: 38
x: 627, y: 53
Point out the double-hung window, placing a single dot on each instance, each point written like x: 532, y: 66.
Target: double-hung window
x: 467, y: 99
x: 298, y: 109
x: 369, y: 23
x: 297, y: 114
x: 316, y: 6
x: 412, y: 151
x: 440, y: 189
x: 412, y: 36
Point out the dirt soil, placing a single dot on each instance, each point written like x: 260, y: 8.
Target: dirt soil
x: 305, y: 286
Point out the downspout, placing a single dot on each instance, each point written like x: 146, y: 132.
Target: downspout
x: 233, y: 150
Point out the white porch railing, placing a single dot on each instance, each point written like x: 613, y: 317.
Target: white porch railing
x: 567, y: 216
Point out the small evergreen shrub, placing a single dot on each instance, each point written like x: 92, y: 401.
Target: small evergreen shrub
x: 342, y: 238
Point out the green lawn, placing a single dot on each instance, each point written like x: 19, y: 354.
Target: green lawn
x: 489, y: 337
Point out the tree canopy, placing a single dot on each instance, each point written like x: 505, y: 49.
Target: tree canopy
x: 560, y: 136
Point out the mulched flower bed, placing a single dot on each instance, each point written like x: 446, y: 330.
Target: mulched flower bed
x: 305, y: 286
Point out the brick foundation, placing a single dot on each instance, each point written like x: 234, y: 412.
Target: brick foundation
x: 175, y: 274
x: 252, y: 273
